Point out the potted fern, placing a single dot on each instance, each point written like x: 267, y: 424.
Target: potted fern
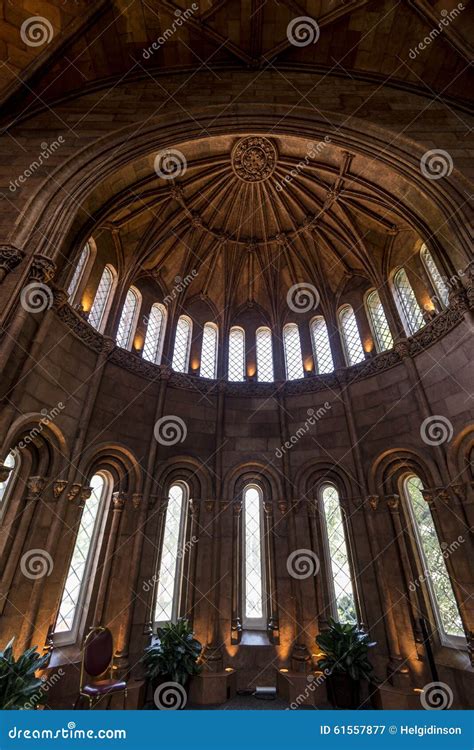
x: 344, y: 659
x: 19, y: 686
x: 174, y: 655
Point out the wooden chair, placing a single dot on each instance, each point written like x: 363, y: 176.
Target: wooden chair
x: 97, y: 668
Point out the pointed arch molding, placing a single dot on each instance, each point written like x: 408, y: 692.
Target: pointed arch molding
x: 51, y: 216
x: 118, y: 460
x: 391, y: 465
x: 38, y: 430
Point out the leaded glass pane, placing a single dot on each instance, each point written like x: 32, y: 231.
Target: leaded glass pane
x: 264, y: 354
x: 351, y: 336
x: 76, y: 277
x: 340, y: 567
x: 236, y: 367
x: 181, y: 345
x: 321, y: 346
x: 96, y: 315
x: 380, y: 327
x: 10, y: 463
x: 127, y: 319
x: 209, y: 351
x: 433, y: 561
x: 439, y: 284
x: 154, y: 334
x: 253, y: 572
x: 81, y: 557
x: 408, y: 302
x: 292, y: 347
x: 166, y: 602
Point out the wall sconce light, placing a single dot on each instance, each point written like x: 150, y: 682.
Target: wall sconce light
x: 251, y: 374
x: 194, y: 368
x: 308, y: 367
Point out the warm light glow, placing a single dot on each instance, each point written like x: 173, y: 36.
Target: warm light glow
x: 195, y: 363
x: 368, y: 345
x: 284, y: 670
x: 86, y: 302
x: 138, y: 342
x: 251, y: 371
x: 428, y: 304
x: 229, y: 669
x: 417, y: 690
x: 308, y: 364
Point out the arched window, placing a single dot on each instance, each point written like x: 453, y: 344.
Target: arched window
x: 378, y: 321
x: 103, y: 297
x: 208, y: 367
x: 350, y: 336
x: 292, y: 347
x: 343, y: 595
x: 83, y: 564
x: 321, y: 347
x: 434, y: 569
x: 155, y: 332
x: 78, y: 271
x: 407, y: 301
x: 128, y: 318
x: 253, y: 609
x: 263, y: 338
x: 182, y: 344
x: 439, y: 284
x: 236, y: 365
x: 171, y: 560
x: 5, y: 487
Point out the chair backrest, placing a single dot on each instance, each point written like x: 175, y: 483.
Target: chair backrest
x: 98, y: 651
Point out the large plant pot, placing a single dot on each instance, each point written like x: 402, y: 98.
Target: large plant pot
x: 343, y: 691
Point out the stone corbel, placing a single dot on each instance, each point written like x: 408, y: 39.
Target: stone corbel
x: 118, y: 501
x: 10, y: 258
x: 393, y: 502
x: 74, y: 492
x: 59, y: 485
x: 373, y: 501
x: 282, y: 506
x: 42, y: 269
x: 35, y: 486
x: 137, y: 499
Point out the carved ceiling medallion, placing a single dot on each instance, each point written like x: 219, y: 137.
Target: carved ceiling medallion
x: 254, y: 159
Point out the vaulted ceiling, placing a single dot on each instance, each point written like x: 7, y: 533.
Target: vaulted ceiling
x: 87, y: 43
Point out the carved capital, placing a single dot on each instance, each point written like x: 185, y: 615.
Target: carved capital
x: 86, y: 492
x: 137, y: 499
x: 402, y: 348
x: 209, y: 505
x: 108, y: 345
x: 118, y: 500
x: 282, y: 506
x: 459, y: 490
x: 393, y: 502
x: 59, y: 485
x: 35, y: 487
x: 74, y: 491
x: 42, y: 269
x: 10, y: 258
x: 237, y: 508
x: 373, y: 501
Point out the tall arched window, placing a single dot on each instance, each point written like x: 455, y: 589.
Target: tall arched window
x: 323, y: 362
x: 263, y: 337
x: 155, y: 332
x: 103, y: 297
x: 292, y: 347
x: 78, y: 271
x: 182, y: 344
x: 208, y: 367
x: 170, y: 567
x: 253, y: 609
x: 378, y: 321
x: 439, y: 284
x: 343, y: 594
x: 236, y: 364
x: 407, y: 301
x: 11, y: 462
x: 128, y: 318
x: 350, y: 336
x: 434, y: 569
x: 80, y: 575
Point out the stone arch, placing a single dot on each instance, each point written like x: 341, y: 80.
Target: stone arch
x: 118, y: 460
x: 392, y: 465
